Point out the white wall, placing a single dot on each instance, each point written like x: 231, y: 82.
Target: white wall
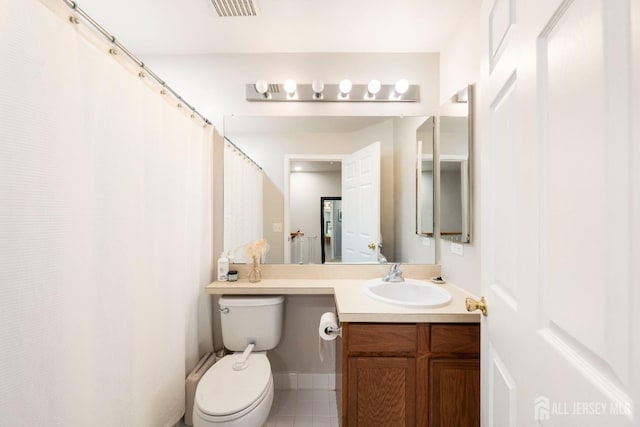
x: 460, y: 59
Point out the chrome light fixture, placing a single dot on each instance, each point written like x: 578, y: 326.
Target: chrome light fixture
x: 344, y: 91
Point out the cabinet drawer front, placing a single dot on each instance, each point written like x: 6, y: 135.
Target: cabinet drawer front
x: 382, y: 338
x: 447, y: 338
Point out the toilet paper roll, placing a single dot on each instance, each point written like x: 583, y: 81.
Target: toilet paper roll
x: 327, y: 320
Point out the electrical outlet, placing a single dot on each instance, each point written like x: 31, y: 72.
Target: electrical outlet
x: 426, y: 241
x: 457, y: 248
x: 277, y: 227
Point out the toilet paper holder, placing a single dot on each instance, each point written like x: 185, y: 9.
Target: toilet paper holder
x: 331, y: 331
x: 329, y: 328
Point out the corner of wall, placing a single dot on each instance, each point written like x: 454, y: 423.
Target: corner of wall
x: 460, y: 59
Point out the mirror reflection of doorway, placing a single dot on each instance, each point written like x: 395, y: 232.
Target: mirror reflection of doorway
x: 331, y: 226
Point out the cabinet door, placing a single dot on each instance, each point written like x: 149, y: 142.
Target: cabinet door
x: 454, y: 392
x: 381, y: 391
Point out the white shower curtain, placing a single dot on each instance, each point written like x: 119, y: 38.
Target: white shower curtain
x: 105, y: 231
x: 242, y: 202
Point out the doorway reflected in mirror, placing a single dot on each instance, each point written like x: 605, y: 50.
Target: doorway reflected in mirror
x: 331, y: 222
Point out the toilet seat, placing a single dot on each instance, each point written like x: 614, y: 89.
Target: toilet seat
x: 226, y: 394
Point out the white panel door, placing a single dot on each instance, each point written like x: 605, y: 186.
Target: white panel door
x: 558, y: 123
x: 361, y: 204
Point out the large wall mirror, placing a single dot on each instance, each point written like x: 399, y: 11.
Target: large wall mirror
x: 455, y: 142
x: 336, y: 189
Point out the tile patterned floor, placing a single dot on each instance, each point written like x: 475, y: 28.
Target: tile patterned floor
x: 303, y: 408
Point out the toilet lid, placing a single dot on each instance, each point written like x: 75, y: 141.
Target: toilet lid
x: 224, y: 391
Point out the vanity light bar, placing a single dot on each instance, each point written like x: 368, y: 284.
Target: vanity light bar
x: 331, y: 93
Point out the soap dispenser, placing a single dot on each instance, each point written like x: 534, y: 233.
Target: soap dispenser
x: 223, y: 267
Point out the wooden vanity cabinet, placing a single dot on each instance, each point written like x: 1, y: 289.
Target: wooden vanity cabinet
x: 425, y: 374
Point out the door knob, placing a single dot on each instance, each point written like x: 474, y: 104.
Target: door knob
x: 372, y: 246
x: 473, y: 305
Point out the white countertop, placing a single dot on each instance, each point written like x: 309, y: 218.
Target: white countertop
x: 352, y: 304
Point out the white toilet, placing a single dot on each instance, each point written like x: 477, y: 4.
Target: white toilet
x: 237, y: 391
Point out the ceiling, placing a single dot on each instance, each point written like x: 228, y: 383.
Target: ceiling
x: 165, y: 27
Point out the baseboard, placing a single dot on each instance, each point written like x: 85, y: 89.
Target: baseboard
x: 298, y: 381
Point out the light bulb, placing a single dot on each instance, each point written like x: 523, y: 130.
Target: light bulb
x: 261, y: 87
x: 374, y: 87
x: 290, y: 86
x: 317, y: 86
x: 345, y: 86
x: 402, y: 86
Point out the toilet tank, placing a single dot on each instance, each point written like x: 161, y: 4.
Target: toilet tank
x: 251, y: 319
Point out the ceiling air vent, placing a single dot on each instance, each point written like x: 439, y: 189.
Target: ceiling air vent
x: 230, y: 8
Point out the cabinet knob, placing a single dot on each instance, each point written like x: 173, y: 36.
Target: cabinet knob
x: 372, y: 246
x: 473, y: 305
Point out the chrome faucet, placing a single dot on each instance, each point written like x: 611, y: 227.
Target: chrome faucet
x: 394, y: 275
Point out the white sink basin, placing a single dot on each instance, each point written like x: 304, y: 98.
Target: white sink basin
x: 410, y: 293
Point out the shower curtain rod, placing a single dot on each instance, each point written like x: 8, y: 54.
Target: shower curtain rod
x: 242, y: 152
x: 73, y: 6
